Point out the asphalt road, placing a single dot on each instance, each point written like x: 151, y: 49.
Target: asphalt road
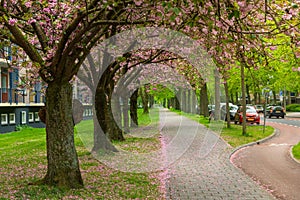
x: 289, y: 121
x: 270, y: 163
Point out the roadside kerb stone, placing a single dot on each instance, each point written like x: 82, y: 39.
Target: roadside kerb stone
x: 275, y: 133
x: 292, y: 156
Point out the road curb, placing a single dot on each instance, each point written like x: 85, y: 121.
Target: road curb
x: 275, y: 133
x: 292, y: 156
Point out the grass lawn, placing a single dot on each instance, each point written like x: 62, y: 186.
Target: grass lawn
x: 296, y: 151
x: 23, y: 161
x: 144, y: 138
x: 233, y: 135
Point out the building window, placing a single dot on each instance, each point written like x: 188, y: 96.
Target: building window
x: 23, y: 117
x: 12, y: 118
x: 3, y: 119
x: 31, y: 117
x: 36, y: 117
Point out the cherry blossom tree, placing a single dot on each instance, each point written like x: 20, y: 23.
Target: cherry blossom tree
x: 57, y: 36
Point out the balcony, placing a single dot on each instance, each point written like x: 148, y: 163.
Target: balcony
x: 20, y: 96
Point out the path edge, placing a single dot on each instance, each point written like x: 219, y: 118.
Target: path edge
x: 275, y: 133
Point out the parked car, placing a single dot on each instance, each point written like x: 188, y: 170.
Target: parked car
x: 259, y: 108
x: 232, y: 110
x: 251, y: 115
x: 276, y: 111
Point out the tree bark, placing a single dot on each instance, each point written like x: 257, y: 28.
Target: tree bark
x: 248, y: 94
x: 100, y: 139
x: 125, y: 115
x: 104, y: 114
x: 227, y: 105
x: 274, y: 97
x: 145, y: 100
x: 63, y: 166
x: 243, y: 87
x: 217, y: 113
x: 204, y: 101
x: 133, y: 108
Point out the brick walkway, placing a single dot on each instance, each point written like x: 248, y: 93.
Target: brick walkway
x: 191, y: 175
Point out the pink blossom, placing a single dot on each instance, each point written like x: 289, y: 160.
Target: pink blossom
x: 294, y: 69
x: 30, y: 21
x: 214, y: 32
x: 287, y: 16
x: 273, y: 48
x: 204, y: 30
x: 138, y: 3
x: 28, y: 4
x: 241, y: 3
x: 12, y: 22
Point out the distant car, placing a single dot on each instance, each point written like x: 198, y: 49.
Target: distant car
x: 259, y: 108
x: 251, y: 116
x: 276, y: 111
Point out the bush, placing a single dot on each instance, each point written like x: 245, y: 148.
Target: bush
x: 293, y: 108
x: 21, y: 127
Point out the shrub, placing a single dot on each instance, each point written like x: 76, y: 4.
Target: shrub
x: 21, y: 127
x: 293, y: 108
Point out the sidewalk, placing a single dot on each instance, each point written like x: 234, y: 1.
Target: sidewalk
x: 195, y: 176
x: 293, y: 114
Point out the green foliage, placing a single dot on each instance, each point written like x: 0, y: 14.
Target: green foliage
x: 161, y: 92
x: 293, y: 108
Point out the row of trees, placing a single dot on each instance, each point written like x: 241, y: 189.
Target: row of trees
x: 57, y: 36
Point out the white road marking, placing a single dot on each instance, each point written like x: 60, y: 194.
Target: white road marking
x: 276, y: 145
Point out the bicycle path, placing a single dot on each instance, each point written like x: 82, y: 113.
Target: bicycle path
x: 270, y: 163
x: 195, y: 176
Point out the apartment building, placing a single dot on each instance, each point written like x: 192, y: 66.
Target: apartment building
x: 18, y: 105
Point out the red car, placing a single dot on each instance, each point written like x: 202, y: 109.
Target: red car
x: 251, y: 116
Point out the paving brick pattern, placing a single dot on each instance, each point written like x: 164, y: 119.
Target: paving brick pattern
x: 193, y: 176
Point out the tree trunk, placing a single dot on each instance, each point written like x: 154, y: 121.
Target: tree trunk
x: 227, y: 105
x: 63, y: 166
x: 100, y: 139
x: 145, y: 99
x: 232, y: 98
x: 237, y: 98
x: 125, y: 115
x: 289, y: 97
x: 189, y: 101
x: 204, y: 101
x: 177, y: 103
x: 217, y: 113
x: 182, y: 100
x: 105, y: 116
x: 133, y: 109
x: 248, y: 94
x: 244, y: 131
x: 274, y: 97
